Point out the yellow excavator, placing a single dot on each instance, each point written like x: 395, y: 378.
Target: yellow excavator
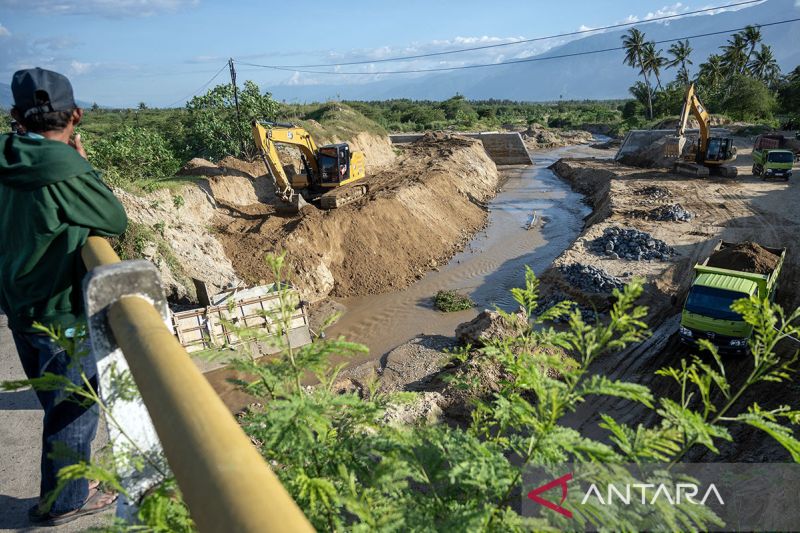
x: 329, y: 171
x: 709, y: 155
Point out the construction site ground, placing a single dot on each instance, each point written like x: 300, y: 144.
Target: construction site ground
x: 745, y: 208
x: 589, y: 195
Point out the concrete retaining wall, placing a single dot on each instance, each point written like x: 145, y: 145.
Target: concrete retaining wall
x: 503, y: 148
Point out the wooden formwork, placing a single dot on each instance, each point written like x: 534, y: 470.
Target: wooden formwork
x: 256, y: 309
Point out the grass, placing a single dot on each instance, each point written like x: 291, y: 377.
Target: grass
x: 450, y: 301
x: 337, y: 121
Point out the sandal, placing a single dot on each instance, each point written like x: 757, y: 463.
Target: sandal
x: 97, y: 502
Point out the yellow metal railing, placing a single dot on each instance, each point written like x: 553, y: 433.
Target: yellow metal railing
x: 225, y: 482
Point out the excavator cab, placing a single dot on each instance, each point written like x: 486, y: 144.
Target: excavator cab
x: 334, y: 163
x: 719, y: 149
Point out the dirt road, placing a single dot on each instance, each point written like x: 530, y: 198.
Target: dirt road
x: 746, y: 208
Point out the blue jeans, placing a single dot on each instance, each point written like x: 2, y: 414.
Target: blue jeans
x: 69, y: 426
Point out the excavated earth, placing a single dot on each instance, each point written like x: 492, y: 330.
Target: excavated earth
x: 419, y: 211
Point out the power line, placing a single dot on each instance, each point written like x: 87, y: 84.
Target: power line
x: 206, y: 84
x: 510, y: 62
x: 523, y: 41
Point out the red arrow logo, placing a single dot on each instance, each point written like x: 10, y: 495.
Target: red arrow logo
x: 562, y: 481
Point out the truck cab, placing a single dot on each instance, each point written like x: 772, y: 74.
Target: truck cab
x: 707, y: 313
x: 773, y: 163
x: 720, y: 280
x: 773, y: 156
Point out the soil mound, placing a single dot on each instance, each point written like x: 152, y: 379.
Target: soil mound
x: 417, y: 214
x: 745, y: 257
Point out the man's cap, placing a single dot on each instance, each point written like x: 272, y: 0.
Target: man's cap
x: 37, y: 90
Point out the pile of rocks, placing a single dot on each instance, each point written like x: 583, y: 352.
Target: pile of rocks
x: 632, y: 244
x: 589, y: 278
x: 664, y: 213
x: 654, y: 193
x: 587, y: 313
x: 671, y: 213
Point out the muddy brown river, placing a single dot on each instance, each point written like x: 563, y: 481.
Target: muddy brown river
x: 492, y: 263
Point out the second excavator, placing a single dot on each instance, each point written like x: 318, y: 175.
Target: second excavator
x: 709, y: 154
x: 330, y: 175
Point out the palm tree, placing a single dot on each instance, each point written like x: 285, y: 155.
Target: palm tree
x: 653, y: 61
x: 734, y: 58
x: 712, y: 72
x: 634, y: 43
x: 680, y: 52
x: 764, y: 66
x: 751, y: 36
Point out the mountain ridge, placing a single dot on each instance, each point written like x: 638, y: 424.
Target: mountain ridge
x: 594, y: 76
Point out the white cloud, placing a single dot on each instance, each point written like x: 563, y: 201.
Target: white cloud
x: 77, y: 67
x: 103, y: 8
x: 4, y: 31
x: 53, y: 44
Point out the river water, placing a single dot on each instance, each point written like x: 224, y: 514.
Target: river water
x: 491, y: 265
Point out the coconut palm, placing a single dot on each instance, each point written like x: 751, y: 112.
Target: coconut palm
x: 653, y: 61
x: 734, y: 57
x: 634, y: 44
x: 752, y: 37
x: 712, y: 72
x: 764, y: 66
x: 680, y: 53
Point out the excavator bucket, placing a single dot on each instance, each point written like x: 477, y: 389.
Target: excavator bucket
x: 673, y: 146
x: 291, y: 207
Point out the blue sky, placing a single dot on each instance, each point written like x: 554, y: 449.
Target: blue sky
x: 118, y: 53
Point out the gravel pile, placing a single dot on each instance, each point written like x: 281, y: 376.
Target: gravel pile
x: 587, y: 313
x: 654, y: 193
x: 590, y: 279
x: 630, y: 244
x: 664, y: 213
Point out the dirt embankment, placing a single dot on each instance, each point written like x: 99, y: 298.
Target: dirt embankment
x: 176, y: 227
x: 538, y: 137
x: 419, y: 211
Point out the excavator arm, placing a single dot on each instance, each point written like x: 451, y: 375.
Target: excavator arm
x: 263, y: 137
x: 693, y: 105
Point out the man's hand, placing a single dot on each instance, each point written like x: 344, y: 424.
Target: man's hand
x: 75, y: 142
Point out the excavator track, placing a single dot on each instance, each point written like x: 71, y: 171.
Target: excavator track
x: 341, y: 196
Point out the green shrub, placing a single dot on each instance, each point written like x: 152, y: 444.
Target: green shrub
x: 350, y: 470
x: 212, y: 127
x: 133, y: 156
x: 449, y: 301
x: 748, y: 99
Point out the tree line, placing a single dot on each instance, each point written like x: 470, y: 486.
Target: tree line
x: 743, y: 79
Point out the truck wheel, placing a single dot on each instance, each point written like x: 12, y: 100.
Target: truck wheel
x: 754, y: 171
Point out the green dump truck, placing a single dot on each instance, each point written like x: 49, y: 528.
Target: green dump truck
x: 773, y: 157
x: 733, y: 271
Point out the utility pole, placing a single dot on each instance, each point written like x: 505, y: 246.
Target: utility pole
x: 236, y: 102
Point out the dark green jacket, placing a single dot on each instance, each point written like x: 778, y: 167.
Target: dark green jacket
x: 51, y: 200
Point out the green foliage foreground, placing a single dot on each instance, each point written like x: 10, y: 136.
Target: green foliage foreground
x: 350, y: 468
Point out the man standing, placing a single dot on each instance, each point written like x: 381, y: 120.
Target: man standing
x: 51, y: 200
